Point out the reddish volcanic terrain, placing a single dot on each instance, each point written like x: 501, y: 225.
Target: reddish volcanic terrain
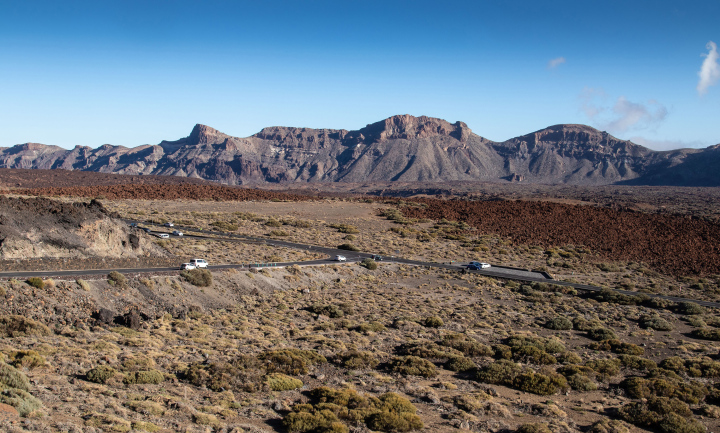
x: 672, y: 244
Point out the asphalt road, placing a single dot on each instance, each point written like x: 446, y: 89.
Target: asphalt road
x: 495, y: 271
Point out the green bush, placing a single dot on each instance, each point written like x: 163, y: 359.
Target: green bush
x: 690, y: 392
x: 540, y: 384
x: 689, y: 308
x: 459, y: 364
x: 669, y: 415
x: 600, y: 334
x: 143, y: 377
x: 581, y: 382
x: 100, y: 374
x: 198, y: 277
x: 655, y: 322
x: 466, y: 345
x: 116, y: 278
x: 559, y: 323
x: 413, y: 366
x: 707, y: 334
x: 356, y: 360
x: 394, y: 422
x: 281, y: 382
x: 13, y: 378
x: 502, y: 372
x: 637, y: 363
x: 534, y: 428
x: 618, y: 346
x: 36, y: 282
x: 329, y: 408
x: 20, y: 326
x: 348, y: 247
x: 605, y: 367
x: 369, y: 264
x: 290, y: 361
x: 433, y: 322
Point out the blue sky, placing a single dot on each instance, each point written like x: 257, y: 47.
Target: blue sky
x: 137, y: 72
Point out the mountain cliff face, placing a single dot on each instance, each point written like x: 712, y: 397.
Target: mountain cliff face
x: 400, y: 148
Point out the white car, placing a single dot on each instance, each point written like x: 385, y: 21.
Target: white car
x: 163, y: 235
x: 187, y: 266
x: 169, y: 224
x: 199, y: 263
x: 177, y: 233
x: 340, y: 258
x: 478, y: 265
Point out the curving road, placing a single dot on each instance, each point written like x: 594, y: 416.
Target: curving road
x: 501, y: 272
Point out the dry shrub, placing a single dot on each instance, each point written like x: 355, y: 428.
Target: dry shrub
x: 198, y: 277
x: 459, y: 364
x: 281, y: 382
x: 290, y: 361
x: 20, y: 400
x: 655, y: 322
x: 36, y: 282
x: 143, y: 377
x: 100, y: 374
x: 13, y: 378
x: 669, y: 415
x: 618, y: 346
x: 413, y: 366
x: 117, y: 279
x: 466, y: 345
x: 690, y: 392
x: 19, y: 326
x: 330, y: 408
x: 356, y: 360
x: 559, y: 323
x: 433, y: 322
x: 26, y: 358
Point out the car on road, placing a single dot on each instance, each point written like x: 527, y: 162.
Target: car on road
x: 478, y: 265
x: 187, y: 266
x: 162, y: 235
x: 169, y: 224
x: 177, y: 233
x: 199, y: 263
x: 340, y: 258
x: 147, y: 230
x: 377, y: 257
x: 133, y: 225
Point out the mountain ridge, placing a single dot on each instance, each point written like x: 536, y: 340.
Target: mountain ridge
x: 400, y: 148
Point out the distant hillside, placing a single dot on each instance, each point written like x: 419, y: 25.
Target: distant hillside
x: 401, y: 148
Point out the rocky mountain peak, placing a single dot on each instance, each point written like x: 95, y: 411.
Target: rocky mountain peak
x: 203, y: 134
x: 407, y: 127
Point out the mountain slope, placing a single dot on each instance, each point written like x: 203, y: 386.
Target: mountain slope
x: 400, y: 148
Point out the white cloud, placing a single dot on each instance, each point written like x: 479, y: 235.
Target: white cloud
x: 633, y: 115
x: 554, y: 63
x: 623, y: 115
x: 710, y: 70
x: 588, y: 103
x: 667, y: 144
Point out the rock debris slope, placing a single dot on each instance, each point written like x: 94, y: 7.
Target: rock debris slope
x: 400, y: 148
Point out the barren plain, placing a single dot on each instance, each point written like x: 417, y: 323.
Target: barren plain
x: 374, y: 346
